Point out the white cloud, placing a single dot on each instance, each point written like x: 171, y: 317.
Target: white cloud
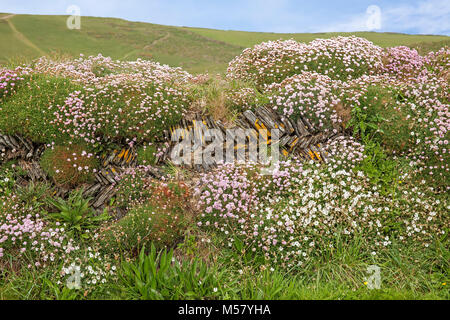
x: 426, y: 17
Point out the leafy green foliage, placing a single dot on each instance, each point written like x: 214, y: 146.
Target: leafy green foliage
x: 159, y: 276
x: 34, y: 192
x: 76, y: 213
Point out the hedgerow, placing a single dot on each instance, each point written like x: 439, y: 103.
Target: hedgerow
x: 381, y: 194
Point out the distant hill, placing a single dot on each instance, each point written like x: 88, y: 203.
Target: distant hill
x: 24, y: 37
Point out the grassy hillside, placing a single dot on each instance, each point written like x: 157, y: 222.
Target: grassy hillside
x: 247, y: 39
x: 24, y: 37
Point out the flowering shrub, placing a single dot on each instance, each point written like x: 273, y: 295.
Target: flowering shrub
x: 303, y: 209
x: 386, y: 184
x: 7, y: 181
x: 9, y: 79
x: 95, y: 99
x: 344, y: 58
x: 309, y: 95
x: 339, y: 58
x: 234, y: 190
x: 398, y: 95
x: 160, y: 275
x: 69, y: 165
x: 241, y: 99
x: 91, y: 267
x: 403, y: 62
x: 26, y: 235
x: 96, y: 69
x: 134, y: 187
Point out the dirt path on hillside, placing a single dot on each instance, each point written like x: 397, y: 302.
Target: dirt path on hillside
x: 164, y: 38
x: 19, y: 35
x: 154, y: 42
x: 7, y: 16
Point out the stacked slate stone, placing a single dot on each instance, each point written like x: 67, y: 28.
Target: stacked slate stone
x: 28, y: 154
x: 299, y: 138
x: 12, y: 147
x: 107, y: 177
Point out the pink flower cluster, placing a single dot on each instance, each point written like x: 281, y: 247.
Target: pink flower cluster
x: 132, y: 101
x: 9, y: 79
x: 244, y: 98
x: 340, y: 58
x: 404, y: 62
x: 302, y: 209
x: 439, y: 62
x: 24, y: 233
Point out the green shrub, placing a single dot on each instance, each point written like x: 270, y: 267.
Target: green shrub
x: 162, y: 220
x: 29, y: 112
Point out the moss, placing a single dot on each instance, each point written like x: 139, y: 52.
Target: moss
x: 69, y: 165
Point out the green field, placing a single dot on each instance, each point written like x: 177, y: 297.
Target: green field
x: 247, y: 39
x: 24, y: 37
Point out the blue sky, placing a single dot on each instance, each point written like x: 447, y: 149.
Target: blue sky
x: 407, y: 16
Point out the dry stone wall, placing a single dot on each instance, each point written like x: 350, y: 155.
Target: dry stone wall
x: 300, y: 139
